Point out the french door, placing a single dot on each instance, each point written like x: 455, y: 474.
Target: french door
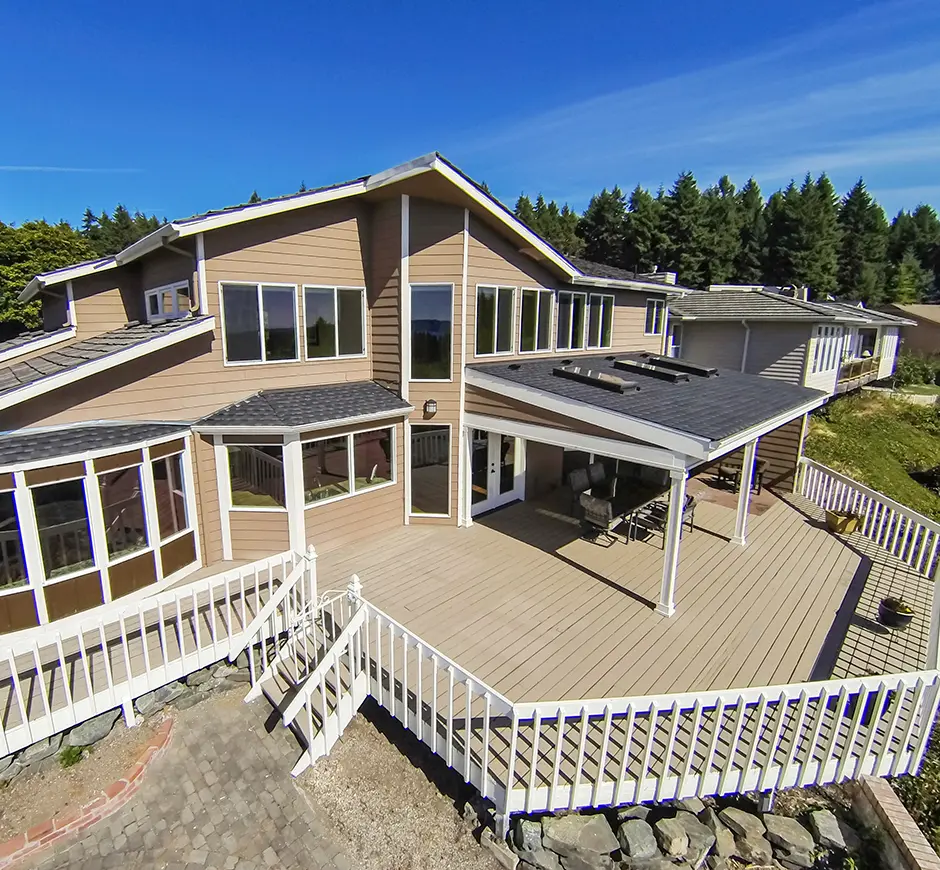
x: 496, y: 476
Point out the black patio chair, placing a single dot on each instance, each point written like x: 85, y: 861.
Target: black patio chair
x: 599, y: 520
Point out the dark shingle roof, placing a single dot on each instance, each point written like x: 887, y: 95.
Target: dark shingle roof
x: 714, y: 408
x: 28, y: 445
x: 747, y: 304
x: 87, y: 350
x: 295, y: 407
x: 26, y: 338
x: 601, y: 270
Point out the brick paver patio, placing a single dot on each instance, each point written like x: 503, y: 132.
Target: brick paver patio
x: 221, y: 797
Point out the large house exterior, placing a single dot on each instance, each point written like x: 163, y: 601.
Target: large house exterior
x: 373, y: 368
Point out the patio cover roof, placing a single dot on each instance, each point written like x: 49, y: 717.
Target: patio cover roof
x: 702, y: 416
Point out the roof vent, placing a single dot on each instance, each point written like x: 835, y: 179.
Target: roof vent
x: 679, y: 365
x: 610, y: 358
x: 595, y: 378
x: 642, y: 368
x: 514, y: 367
x: 567, y: 362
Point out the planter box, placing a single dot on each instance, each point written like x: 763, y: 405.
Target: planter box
x: 841, y: 522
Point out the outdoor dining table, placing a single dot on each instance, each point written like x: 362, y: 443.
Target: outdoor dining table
x: 632, y: 497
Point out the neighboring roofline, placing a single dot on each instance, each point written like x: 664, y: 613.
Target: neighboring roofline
x: 246, y: 429
x: 83, y: 370
x: 810, y: 312
x: 37, y: 344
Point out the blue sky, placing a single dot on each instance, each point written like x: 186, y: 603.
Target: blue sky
x: 176, y: 108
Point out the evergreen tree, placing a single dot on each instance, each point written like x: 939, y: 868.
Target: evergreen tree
x: 569, y: 242
x: 749, y: 263
x: 602, y: 227
x: 721, y: 236
x: 644, y: 240
x: 908, y: 281
x: 927, y: 238
x: 863, y: 250
x: 784, y: 260
x: 683, y: 225
x: 303, y: 187
x: 820, y: 227
x: 525, y: 211
x: 254, y: 198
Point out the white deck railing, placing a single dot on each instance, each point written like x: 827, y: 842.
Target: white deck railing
x: 904, y: 533
x: 52, y: 681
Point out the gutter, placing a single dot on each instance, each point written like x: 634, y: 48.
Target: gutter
x: 747, y: 341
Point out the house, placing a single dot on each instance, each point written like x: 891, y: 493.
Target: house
x: 925, y: 338
x: 372, y: 369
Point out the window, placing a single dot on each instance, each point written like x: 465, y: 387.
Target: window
x: 600, y: 320
x: 655, y: 316
x: 373, y: 458
x: 62, y: 521
x: 570, y: 334
x: 494, y: 318
x: 827, y: 349
x: 536, y: 330
x: 431, y: 325
x: 430, y: 470
x: 367, y: 459
x: 867, y: 343
x: 164, y: 303
x: 257, y: 476
x: 674, y: 346
x: 170, y: 493
x: 333, y: 321
x: 12, y: 561
x: 259, y: 322
x: 122, y: 504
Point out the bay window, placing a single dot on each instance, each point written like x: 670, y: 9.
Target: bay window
x: 256, y: 476
x: 334, y: 322
x: 347, y: 464
x: 172, y: 515
x: 62, y: 522
x: 535, y: 332
x: 431, y: 331
x: 122, y: 504
x: 655, y: 317
x: 12, y: 560
x: 600, y: 320
x: 571, y: 321
x: 259, y: 322
x: 494, y: 320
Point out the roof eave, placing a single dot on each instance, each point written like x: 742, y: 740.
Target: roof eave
x: 624, y: 284
x: 248, y: 429
x: 157, y: 239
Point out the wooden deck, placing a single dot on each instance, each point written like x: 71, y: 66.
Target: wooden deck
x: 520, y: 600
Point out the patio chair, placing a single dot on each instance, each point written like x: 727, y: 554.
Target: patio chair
x: 599, y: 520
x: 654, y: 518
x: 578, y: 482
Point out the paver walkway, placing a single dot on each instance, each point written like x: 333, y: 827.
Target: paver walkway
x: 220, y: 797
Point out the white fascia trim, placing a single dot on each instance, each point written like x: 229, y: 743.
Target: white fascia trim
x: 624, y: 284
x: 652, y: 456
x: 85, y: 370
x: 306, y: 427
x: 157, y: 239
x: 38, y: 344
x: 59, y: 276
x: 720, y: 448
x: 651, y: 433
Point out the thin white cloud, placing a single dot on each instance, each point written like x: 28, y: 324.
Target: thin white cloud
x: 81, y: 169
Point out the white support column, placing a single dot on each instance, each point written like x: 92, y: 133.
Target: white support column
x: 201, y: 274
x: 667, y: 593
x: 294, y: 492
x: 225, y: 495
x: 744, y: 493
x: 151, y: 518
x: 96, y: 524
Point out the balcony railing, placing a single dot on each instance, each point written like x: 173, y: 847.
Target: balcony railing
x: 861, y: 371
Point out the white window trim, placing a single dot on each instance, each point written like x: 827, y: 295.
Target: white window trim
x: 351, y: 467
x: 538, y: 310
x: 303, y: 313
x: 512, y: 329
x: 584, y: 325
x: 658, y: 320
x: 613, y: 307
x: 450, y: 463
x: 158, y: 293
x: 149, y: 546
x: 187, y: 493
x: 263, y: 361
x: 411, y: 287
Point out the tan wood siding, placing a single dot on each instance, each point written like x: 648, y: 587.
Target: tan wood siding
x: 713, y: 344
x: 256, y: 534
x: 384, y: 292
x: 167, y: 267
x: 107, y: 301
x: 781, y: 450
x: 207, y: 499
x: 778, y: 350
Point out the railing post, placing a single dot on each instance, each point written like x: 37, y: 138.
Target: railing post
x: 933, y: 637
x: 354, y: 592
x: 311, y: 572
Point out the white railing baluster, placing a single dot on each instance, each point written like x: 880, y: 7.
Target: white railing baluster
x: 404, y: 679
x: 18, y: 692
x: 821, y: 704
x: 625, y: 760
x: 467, y: 737
x: 450, y: 716
x: 915, y: 703
x: 579, y: 764
x: 42, y: 689
x: 781, y: 708
x: 670, y: 746
x: 602, y: 758
x: 533, y: 758
x: 485, y: 765
x: 66, y: 677
x: 652, y: 724
x: 434, y: 687
x: 419, y: 695
x: 682, y: 788
x: 511, y: 765
x: 851, y: 737
x: 142, y: 628
x: 556, y: 763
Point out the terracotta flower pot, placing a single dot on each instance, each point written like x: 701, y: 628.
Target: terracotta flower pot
x: 841, y: 522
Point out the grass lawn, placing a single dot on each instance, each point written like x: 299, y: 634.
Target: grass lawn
x: 922, y: 389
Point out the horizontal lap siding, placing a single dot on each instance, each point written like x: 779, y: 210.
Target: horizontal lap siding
x: 384, y: 292
x: 781, y: 450
x: 713, y: 344
x: 778, y: 350
x: 107, y: 301
x: 256, y: 534
x: 167, y: 267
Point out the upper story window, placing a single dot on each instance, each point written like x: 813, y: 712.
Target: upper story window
x: 535, y: 332
x: 655, y: 317
x: 494, y: 319
x: 571, y: 320
x: 167, y: 302
x: 334, y: 321
x: 259, y: 322
x: 432, y: 318
x: 827, y: 349
x: 600, y: 320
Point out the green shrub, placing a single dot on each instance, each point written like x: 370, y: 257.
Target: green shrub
x: 915, y: 368
x: 921, y: 793
x: 71, y: 755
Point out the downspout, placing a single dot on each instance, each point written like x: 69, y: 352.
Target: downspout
x: 747, y: 341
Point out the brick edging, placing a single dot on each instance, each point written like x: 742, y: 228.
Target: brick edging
x: 913, y: 847
x: 104, y: 804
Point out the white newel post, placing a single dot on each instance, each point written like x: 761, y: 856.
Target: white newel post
x: 311, y: 572
x: 744, y: 493
x: 294, y: 492
x: 667, y: 594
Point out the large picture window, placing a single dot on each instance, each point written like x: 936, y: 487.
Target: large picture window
x: 259, y: 322
x: 347, y: 464
x: 655, y: 317
x: 431, y: 332
x: 12, y: 561
x: 373, y: 458
x: 334, y: 321
x: 535, y: 332
x: 172, y: 515
x: 257, y: 476
x: 571, y: 307
x: 494, y: 320
x: 430, y: 470
x: 122, y: 504
x: 600, y: 320
x: 62, y: 521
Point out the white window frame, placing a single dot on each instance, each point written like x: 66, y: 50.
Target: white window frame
x: 150, y: 546
x: 410, y: 325
x: 264, y: 351
x: 242, y: 508
x: 189, y: 518
x: 673, y: 347
x: 303, y: 313
x: 584, y: 325
x: 827, y: 349
x: 613, y: 306
x: 351, y: 466
x: 550, y: 294
x: 93, y: 516
x: 450, y: 471
x: 659, y: 316
x: 512, y: 327
x: 158, y: 292
x: 27, y: 585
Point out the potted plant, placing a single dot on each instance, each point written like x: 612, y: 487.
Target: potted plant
x: 842, y: 522
x: 895, y: 613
